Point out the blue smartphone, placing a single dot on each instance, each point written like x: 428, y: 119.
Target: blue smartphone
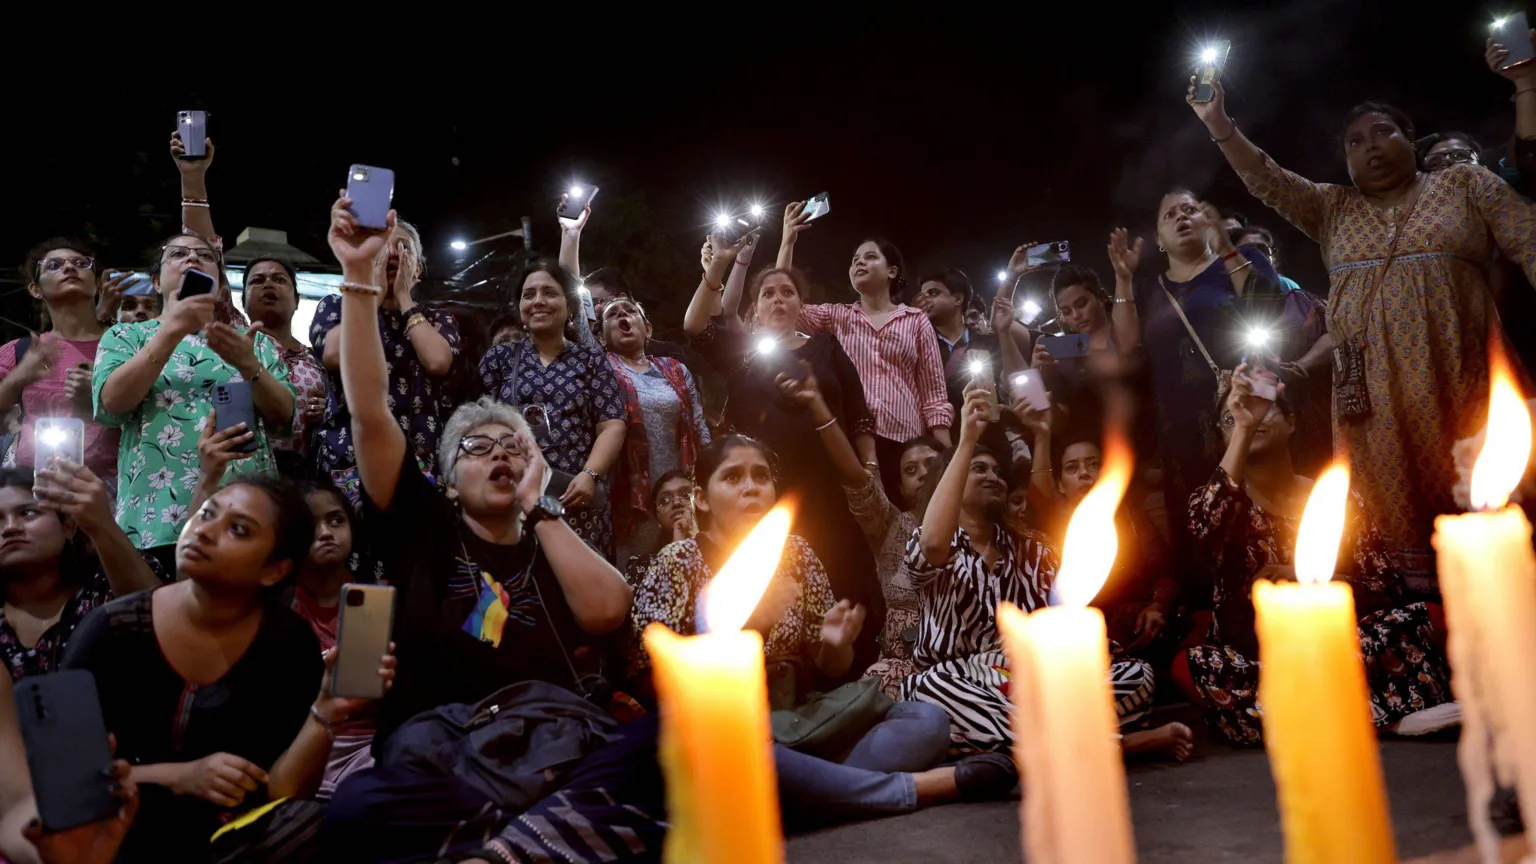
x: 193, y: 128
x: 371, y: 190
x: 233, y: 405
x: 1513, y: 32
x: 195, y: 283
x: 1066, y: 347
x: 67, y: 748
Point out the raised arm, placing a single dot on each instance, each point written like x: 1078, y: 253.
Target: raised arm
x: 1509, y: 217
x: 806, y: 392
x: 795, y: 221
x: 1124, y: 320
x: 1524, y: 79
x: 377, y: 438
x: 706, y: 298
x: 570, y: 238
x: 1248, y: 412
x: 942, y: 516
x: 736, y: 285
x: 195, y: 213
x: 1002, y: 324
x: 73, y: 490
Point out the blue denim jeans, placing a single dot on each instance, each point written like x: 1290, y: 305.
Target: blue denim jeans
x: 874, y: 779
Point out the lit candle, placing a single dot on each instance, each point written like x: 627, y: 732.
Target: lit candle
x: 1488, y: 581
x: 1075, y: 808
x: 716, y: 744
x: 1317, y: 715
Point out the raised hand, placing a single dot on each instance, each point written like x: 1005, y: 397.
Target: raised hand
x: 531, y: 487
x: 1018, y: 262
x: 335, y: 709
x: 190, y: 166
x: 351, y: 243
x: 1213, y: 113
x: 725, y: 253
x: 1002, y: 315
x: 1041, y: 357
x: 215, y: 450
x: 233, y: 347
x: 842, y: 624
x: 1496, y: 54
x: 749, y: 247
x: 111, y: 295
x: 1248, y: 410
x: 1215, y: 235
x: 70, y: 488
x: 572, y: 226
x: 1124, y: 255
x: 795, y: 221
x: 191, y: 315
x: 707, y: 253
x: 975, y: 414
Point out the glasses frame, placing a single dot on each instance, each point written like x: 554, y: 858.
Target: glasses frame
x: 192, y: 251
x: 510, y: 449
x: 80, y: 262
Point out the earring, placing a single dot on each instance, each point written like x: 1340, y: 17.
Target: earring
x: 1160, y: 248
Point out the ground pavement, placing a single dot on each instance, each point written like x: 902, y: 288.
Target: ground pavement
x: 1218, y: 807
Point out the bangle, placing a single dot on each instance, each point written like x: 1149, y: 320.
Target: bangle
x: 1519, y: 92
x: 360, y: 288
x: 324, y: 723
x: 1228, y: 137
x: 1236, y: 270
x: 202, y: 204
x: 711, y: 286
x: 593, y: 474
x: 1123, y: 300
x: 1235, y: 253
x: 871, y: 464
x: 416, y: 318
x: 1042, y: 471
x: 826, y: 425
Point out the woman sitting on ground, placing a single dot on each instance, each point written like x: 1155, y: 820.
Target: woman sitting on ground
x: 808, y: 638
x: 210, y: 683
x: 886, y: 527
x: 61, y: 555
x: 1245, y: 523
x: 672, y: 510
x: 963, y: 562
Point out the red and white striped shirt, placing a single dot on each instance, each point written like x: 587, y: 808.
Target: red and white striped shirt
x: 898, y: 363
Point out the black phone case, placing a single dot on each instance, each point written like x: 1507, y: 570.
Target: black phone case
x: 233, y: 404
x: 200, y: 283
x: 570, y: 209
x: 67, y: 748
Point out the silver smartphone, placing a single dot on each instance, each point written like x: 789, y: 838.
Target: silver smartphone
x: 371, y: 190
x: 362, y: 638
x: 817, y: 207
x: 58, y: 436
x: 1058, y: 252
x: 1029, y: 386
x: 193, y: 128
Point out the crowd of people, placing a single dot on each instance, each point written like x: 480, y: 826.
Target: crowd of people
x: 584, y: 484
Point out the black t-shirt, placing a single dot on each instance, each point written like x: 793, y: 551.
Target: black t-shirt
x: 254, y: 712
x: 436, y: 564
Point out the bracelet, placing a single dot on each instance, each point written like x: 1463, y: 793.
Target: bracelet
x: 1042, y: 471
x: 715, y: 288
x: 324, y: 723
x: 1233, y: 254
x: 1236, y: 270
x: 1518, y: 93
x: 593, y: 474
x: 871, y: 464
x: 1123, y: 300
x: 827, y: 425
x: 360, y: 288
x: 416, y: 318
x: 189, y: 203
x: 1228, y: 136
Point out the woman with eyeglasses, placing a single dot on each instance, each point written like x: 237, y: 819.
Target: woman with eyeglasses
x: 271, y: 293
x: 1409, y: 306
x: 663, y: 419
x: 577, y: 412
x: 157, y: 380
x: 1245, y: 522
x: 1444, y: 149
x: 50, y: 375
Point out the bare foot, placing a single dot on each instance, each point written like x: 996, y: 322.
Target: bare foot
x: 1174, y: 741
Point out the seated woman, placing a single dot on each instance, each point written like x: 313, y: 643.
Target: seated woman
x: 217, y: 694
x: 963, y: 562
x: 1141, y: 595
x: 664, y: 419
x: 1245, y: 523
x: 886, y: 527
x: 672, y: 511
x: 50, y: 574
x: 808, y: 638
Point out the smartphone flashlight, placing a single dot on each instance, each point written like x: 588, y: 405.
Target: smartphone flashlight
x: 1498, y: 23
x: 767, y: 345
x: 1002, y: 275
x: 1258, y: 337
x: 1208, y: 56
x: 1031, y: 310
x: 978, y: 367
x: 577, y: 192
x: 757, y: 211
x: 53, y: 436
x: 722, y: 220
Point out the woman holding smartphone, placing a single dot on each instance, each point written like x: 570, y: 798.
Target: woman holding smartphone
x: 156, y: 381
x: 752, y: 364
x: 893, y: 347
x: 578, y: 398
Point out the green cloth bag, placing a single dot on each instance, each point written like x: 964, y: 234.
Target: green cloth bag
x: 828, y: 725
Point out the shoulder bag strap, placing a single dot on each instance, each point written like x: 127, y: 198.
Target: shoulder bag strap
x: 1215, y: 370
x: 1398, y: 230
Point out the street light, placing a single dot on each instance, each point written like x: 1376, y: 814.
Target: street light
x: 461, y: 245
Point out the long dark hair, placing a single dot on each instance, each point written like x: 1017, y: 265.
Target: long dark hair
x: 573, y: 316
x: 77, y: 554
x: 893, y: 259
x: 713, y: 454
x: 294, y: 528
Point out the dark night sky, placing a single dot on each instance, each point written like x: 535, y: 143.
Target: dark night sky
x: 956, y: 137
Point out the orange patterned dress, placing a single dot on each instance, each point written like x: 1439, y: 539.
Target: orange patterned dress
x: 1423, y: 326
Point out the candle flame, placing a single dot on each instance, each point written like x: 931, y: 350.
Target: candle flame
x: 737, y: 588
x: 1089, y: 550
x: 1322, y: 526
x: 1507, y: 447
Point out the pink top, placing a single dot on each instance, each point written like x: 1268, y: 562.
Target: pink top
x: 45, y: 398
x: 899, y: 365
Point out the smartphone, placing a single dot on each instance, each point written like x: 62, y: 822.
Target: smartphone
x: 537, y: 418
x: 362, y: 637
x: 195, y: 283
x: 1059, y: 252
x: 731, y: 229
x: 371, y: 190
x: 1261, y: 372
x: 817, y: 207
x: 1213, y: 61
x: 233, y: 405
x: 1513, y: 32
x: 981, y: 373
x: 67, y: 748
x: 193, y: 127
x: 58, y: 436
x: 1029, y: 386
x: 587, y: 307
x: 1066, y: 347
x: 576, y: 200
x: 773, y: 360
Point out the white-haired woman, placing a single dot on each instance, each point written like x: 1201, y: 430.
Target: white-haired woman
x: 495, y: 589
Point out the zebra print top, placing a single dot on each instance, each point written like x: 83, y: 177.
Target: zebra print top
x: 959, y: 600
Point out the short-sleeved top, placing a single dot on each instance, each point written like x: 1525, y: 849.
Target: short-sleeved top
x: 309, y: 382
x: 669, y: 594
x: 157, y: 457
x: 254, y: 712
x: 578, y: 391
x: 46, y: 398
x: 472, y: 617
x: 420, y: 402
x: 44, y: 656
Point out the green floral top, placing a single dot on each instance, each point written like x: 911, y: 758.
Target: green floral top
x: 157, y: 459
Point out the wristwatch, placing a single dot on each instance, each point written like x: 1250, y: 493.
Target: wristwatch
x: 547, y: 507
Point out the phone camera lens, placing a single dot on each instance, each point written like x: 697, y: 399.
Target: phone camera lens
x: 355, y: 597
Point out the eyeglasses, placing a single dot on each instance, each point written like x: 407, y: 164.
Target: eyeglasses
x: 1262, y: 248
x: 54, y: 265
x: 182, y: 253
x: 1446, y: 158
x: 482, y: 445
x: 667, y: 499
